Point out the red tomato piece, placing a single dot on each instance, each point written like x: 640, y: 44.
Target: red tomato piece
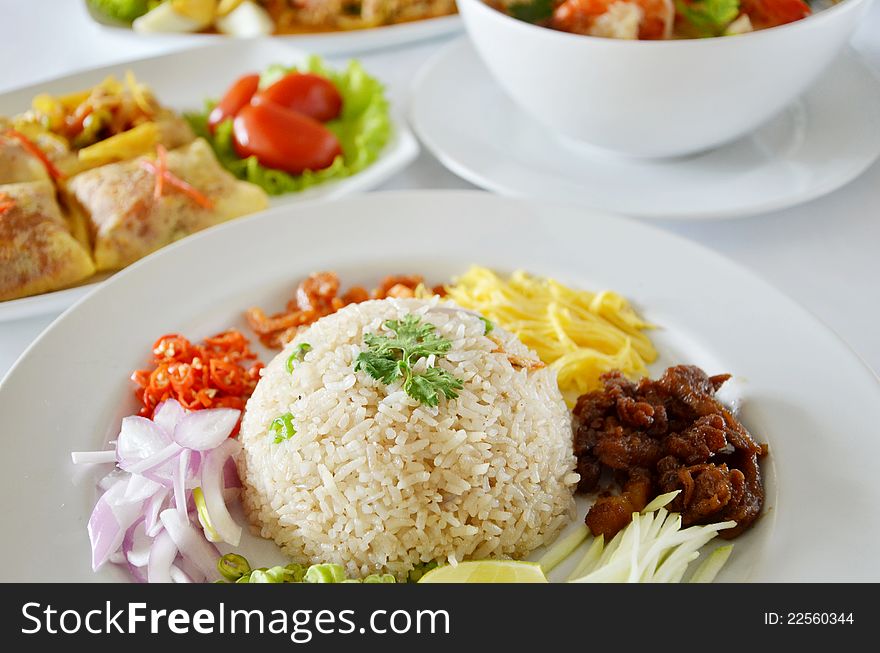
x: 772, y: 13
x: 305, y: 93
x: 283, y: 139
x: 238, y: 95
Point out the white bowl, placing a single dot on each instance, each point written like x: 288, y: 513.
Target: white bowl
x: 657, y: 98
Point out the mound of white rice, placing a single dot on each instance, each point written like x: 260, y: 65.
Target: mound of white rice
x: 375, y: 481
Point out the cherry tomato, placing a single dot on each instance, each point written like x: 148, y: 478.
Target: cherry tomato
x: 305, y: 93
x: 238, y: 95
x: 283, y: 139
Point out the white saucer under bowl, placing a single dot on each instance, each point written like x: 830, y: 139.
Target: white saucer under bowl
x: 823, y: 141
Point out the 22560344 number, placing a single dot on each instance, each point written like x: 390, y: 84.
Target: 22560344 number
x: 808, y: 618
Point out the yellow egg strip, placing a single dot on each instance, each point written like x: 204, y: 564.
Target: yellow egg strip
x: 578, y: 333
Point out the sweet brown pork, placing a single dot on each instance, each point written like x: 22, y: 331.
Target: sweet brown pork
x: 659, y: 436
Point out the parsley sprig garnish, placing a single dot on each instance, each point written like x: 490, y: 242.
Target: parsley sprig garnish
x: 392, y: 357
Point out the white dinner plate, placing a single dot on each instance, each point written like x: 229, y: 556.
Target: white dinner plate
x: 823, y: 141
x: 798, y: 387
x: 183, y: 81
x: 360, y: 40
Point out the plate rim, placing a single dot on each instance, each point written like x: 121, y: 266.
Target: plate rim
x: 472, y: 175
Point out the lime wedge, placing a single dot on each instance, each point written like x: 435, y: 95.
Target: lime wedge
x: 487, y: 571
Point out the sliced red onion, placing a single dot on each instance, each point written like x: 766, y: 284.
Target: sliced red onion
x: 180, y: 484
x: 195, y: 463
x: 111, y: 479
x: 136, y: 549
x: 154, y: 462
x: 155, y: 505
x: 192, y: 572
x: 162, y: 555
x: 231, y: 478
x: 136, y: 544
x: 191, y: 543
x: 105, y: 530
x: 136, y: 523
x: 168, y: 414
x: 205, y: 429
x: 139, y: 439
x: 140, y: 488
x: 178, y: 575
x: 213, y: 486
x: 231, y: 494
x: 194, y: 472
x: 92, y: 457
x: 164, y: 473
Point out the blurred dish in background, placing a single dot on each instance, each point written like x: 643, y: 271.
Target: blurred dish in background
x: 817, y: 145
x: 657, y: 99
x: 653, y: 20
x: 98, y: 173
x: 252, y: 18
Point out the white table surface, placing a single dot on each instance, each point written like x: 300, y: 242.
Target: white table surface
x: 824, y: 254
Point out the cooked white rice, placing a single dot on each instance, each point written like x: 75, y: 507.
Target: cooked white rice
x: 377, y: 482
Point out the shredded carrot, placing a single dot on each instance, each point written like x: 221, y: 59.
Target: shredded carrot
x: 162, y: 174
x: 198, y: 197
x: 34, y: 150
x: 75, y: 123
x: 6, y: 202
x: 159, y: 172
x: 209, y: 375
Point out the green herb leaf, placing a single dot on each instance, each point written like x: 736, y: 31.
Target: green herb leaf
x: 489, y: 325
x: 390, y: 358
x: 283, y: 428
x: 531, y: 11
x: 383, y: 368
x: 427, y: 386
x: 708, y: 17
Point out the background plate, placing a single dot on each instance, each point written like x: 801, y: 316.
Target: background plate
x: 798, y: 387
x: 815, y: 146
x: 360, y: 40
x: 183, y: 81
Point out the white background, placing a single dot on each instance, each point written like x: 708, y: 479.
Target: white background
x: 824, y: 254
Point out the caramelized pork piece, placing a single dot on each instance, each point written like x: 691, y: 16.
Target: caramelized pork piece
x: 666, y: 435
x: 612, y: 512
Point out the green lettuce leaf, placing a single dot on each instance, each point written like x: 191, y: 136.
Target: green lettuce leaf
x: 708, y: 18
x: 125, y: 11
x: 531, y: 11
x: 363, y: 130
